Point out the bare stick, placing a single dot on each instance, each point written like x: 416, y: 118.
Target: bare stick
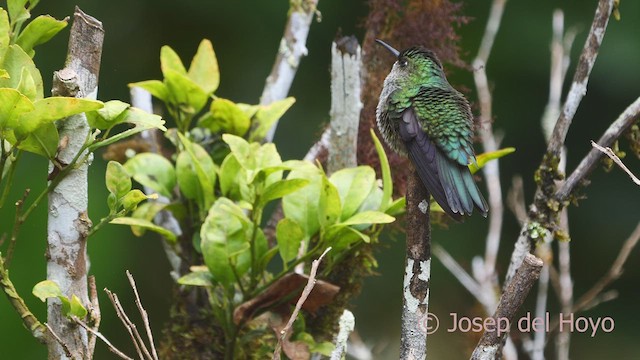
x: 515, y: 199
x: 68, y: 223
x: 460, y: 274
x: 141, y: 349
x: 303, y: 297
x: 97, y: 334
x: 590, y: 161
x: 144, y: 315
x: 417, y: 276
x: 513, y: 297
x: 491, y: 170
x: 613, y: 274
x: 291, y: 50
x: 581, y: 76
x: 346, y: 66
x: 607, y: 151
x: 64, y: 346
x: 346, y: 325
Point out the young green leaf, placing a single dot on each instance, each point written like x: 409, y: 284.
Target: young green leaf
x: 369, y: 217
x: 14, y: 61
x: 302, y: 206
x: 146, y: 211
x: 225, y: 241
x: 197, y: 278
x: 204, y: 68
x: 483, y: 158
x: 154, y: 171
x: 225, y: 116
x: 17, y: 11
x: 46, y: 289
x: 289, y: 236
x: 387, y: 181
x: 111, y: 114
x: 266, y: 116
x: 282, y: 188
x: 329, y: 207
x: 183, y: 92
x: 171, y: 237
x: 169, y: 60
x: 50, y: 109
x: 12, y: 105
x: 43, y: 141
x: 131, y: 199
x: 154, y: 87
x: 39, y: 31
x: 354, y: 185
x: 76, y: 308
x: 117, y: 179
x: 27, y: 85
x: 232, y: 177
x: 196, y: 173
x: 5, y: 31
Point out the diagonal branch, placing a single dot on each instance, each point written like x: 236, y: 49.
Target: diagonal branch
x: 607, y: 151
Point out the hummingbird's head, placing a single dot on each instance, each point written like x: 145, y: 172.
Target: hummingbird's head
x: 416, y: 66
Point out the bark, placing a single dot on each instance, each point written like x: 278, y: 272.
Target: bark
x: 68, y: 222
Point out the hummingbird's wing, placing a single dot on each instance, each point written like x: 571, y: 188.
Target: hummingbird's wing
x: 437, y: 134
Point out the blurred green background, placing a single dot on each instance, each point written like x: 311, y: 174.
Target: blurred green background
x: 246, y: 35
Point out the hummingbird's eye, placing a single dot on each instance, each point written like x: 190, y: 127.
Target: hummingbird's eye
x: 402, y: 62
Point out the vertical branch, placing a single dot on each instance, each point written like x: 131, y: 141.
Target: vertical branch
x: 291, y: 50
x: 491, y: 170
x: 346, y: 63
x: 68, y: 222
x: 417, y: 276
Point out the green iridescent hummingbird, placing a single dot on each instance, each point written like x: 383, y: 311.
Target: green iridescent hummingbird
x: 420, y: 115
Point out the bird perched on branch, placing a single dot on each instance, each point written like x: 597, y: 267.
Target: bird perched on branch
x: 421, y: 115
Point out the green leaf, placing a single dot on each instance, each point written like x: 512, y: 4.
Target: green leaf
x: 369, y: 217
x: 17, y: 10
x: 15, y: 60
x: 302, y: 206
x: 46, y: 289
x: 76, y: 308
x: 154, y: 171
x: 117, y: 179
x: 282, y: 188
x: 12, y: 105
x: 225, y: 241
x: 154, y: 87
x: 483, y: 158
x: 268, y: 115
x: 197, y: 278
x: 39, y: 31
x: 26, y: 85
x: 387, y: 181
x: 329, y: 207
x: 397, y: 207
x: 232, y: 178
x: 354, y: 185
x: 131, y: 199
x: 239, y: 147
x: 5, y: 30
x: 183, y: 92
x: 289, y: 236
x: 146, y: 211
x: 111, y: 114
x: 43, y: 141
x: 171, y: 237
x: 141, y: 121
x: 204, y: 68
x: 196, y: 173
x: 51, y: 109
x: 225, y: 116
x: 170, y: 61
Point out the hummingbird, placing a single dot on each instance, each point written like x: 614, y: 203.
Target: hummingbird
x: 420, y: 115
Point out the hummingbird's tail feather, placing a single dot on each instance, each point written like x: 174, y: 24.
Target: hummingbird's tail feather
x: 449, y: 182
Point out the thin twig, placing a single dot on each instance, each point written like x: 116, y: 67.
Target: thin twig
x: 17, y: 224
x: 144, y: 315
x: 607, y: 151
x: 458, y: 272
x: 97, y: 334
x: 590, y: 161
x: 515, y: 199
x: 141, y: 349
x: 94, y: 313
x: 303, y: 297
x: 64, y: 346
x: 581, y: 76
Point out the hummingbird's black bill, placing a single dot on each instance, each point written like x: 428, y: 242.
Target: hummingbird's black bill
x: 388, y: 47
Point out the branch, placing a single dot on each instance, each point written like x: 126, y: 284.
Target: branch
x: 68, y: 223
x: 346, y: 65
x: 607, y: 151
x: 292, y: 48
x: 513, y: 297
x: 346, y: 325
x: 581, y: 77
x: 590, y: 161
x: 417, y: 276
x: 284, y: 333
x: 144, y: 315
x: 97, y: 334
